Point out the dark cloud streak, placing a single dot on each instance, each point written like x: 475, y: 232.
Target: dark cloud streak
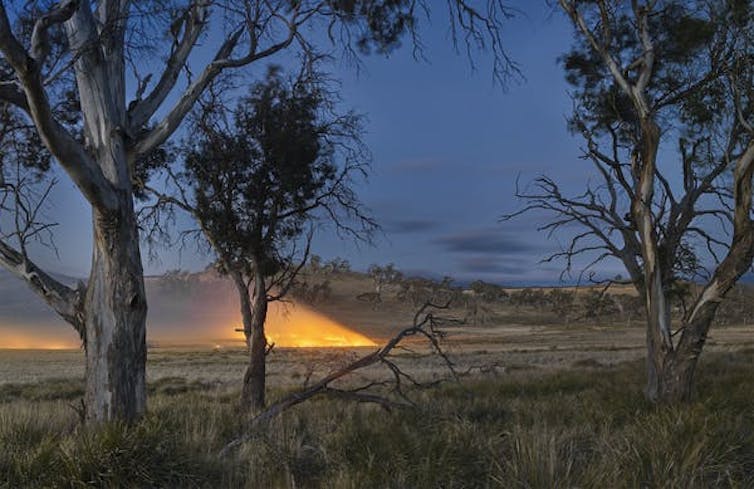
x: 487, y: 241
x: 489, y: 264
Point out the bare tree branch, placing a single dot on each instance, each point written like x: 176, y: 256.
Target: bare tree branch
x: 77, y: 162
x: 191, y: 24
x: 425, y: 324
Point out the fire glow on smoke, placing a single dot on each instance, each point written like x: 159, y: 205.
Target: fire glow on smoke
x: 296, y: 325
x: 13, y: 339
x: 288, y: 325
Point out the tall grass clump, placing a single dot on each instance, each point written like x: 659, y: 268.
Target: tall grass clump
x: 143, y: 455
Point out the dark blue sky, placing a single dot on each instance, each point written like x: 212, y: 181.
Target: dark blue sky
x: 447, y: 146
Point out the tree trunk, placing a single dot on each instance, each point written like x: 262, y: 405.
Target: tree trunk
x: 655, y: 273
x: 671, y: 372
x: 670, y: 376
x: 677, y: 381
x: 116, y: 307
x: 115, y: 320
x: 254, y: 314
x: 659, y: 343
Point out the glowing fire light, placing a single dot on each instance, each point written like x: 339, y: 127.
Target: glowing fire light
x: 15, y: 340
x: 300, y: 326
x: 209, y: 323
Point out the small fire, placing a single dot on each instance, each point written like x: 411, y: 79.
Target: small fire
x: 296, y: 325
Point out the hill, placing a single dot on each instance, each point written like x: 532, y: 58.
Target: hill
x: 339, y: 307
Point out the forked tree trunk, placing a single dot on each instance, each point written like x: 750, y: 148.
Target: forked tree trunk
x: 659, y: 341
x: 115, y: 320
x: 677, y: 381
x: 670, y: 363
x: 671, y: 373
x: 254, y: 314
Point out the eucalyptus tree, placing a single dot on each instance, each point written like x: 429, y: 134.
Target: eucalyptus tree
x: 103, y: 84
x: 257, y: 179
x: 663, y: 94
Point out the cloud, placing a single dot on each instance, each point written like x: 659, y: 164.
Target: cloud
x: 492, y: 264
x: 487, y: 241
x: 406, y: 226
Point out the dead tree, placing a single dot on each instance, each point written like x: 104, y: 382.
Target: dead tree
x: 64, y: 69
x: 645, y: 72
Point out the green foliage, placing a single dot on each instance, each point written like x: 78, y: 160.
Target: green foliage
x: 598, y: 304
x: 272, y: 162
x: 738, y: 308
x: 562, y: 302
x: 311, y: 291
x: 318, y: 266
x: 337, y: 265
x: 682, y: 35
x: 384, y: 22
x: 529, y: 297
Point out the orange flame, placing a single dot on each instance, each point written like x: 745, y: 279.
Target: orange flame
x: 288, y: 325
x: 296, y: 325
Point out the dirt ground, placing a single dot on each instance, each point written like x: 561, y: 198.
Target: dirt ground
x: 493, y: 348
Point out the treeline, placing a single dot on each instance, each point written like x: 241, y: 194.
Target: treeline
x: 483, y: 302
x: 597, y: 305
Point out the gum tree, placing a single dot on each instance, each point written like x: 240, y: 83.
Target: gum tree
x: 103, y: 84
x: 662, y: 91
x: 255, y: 177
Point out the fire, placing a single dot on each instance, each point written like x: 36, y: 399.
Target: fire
x: 209, y: 322
x: 296, y: 325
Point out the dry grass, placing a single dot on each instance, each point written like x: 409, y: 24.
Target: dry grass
x: 585, y: 427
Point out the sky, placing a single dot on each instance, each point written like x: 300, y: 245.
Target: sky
x: 448, y: 146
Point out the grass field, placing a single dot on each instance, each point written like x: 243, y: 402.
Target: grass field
x: 543, y: 405
x: 539, y: 428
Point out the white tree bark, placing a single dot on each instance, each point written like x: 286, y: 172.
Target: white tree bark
x: 113, y: 311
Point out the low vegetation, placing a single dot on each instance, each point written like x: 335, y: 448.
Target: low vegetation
x: 584, y: 427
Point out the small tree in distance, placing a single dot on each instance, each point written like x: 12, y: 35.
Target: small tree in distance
x: 382, y: 276
x: 258, y: 183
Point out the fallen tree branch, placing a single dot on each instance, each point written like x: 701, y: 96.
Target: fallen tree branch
x: 425, y: 324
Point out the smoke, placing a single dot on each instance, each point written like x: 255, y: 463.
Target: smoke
x: 184, y: 310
